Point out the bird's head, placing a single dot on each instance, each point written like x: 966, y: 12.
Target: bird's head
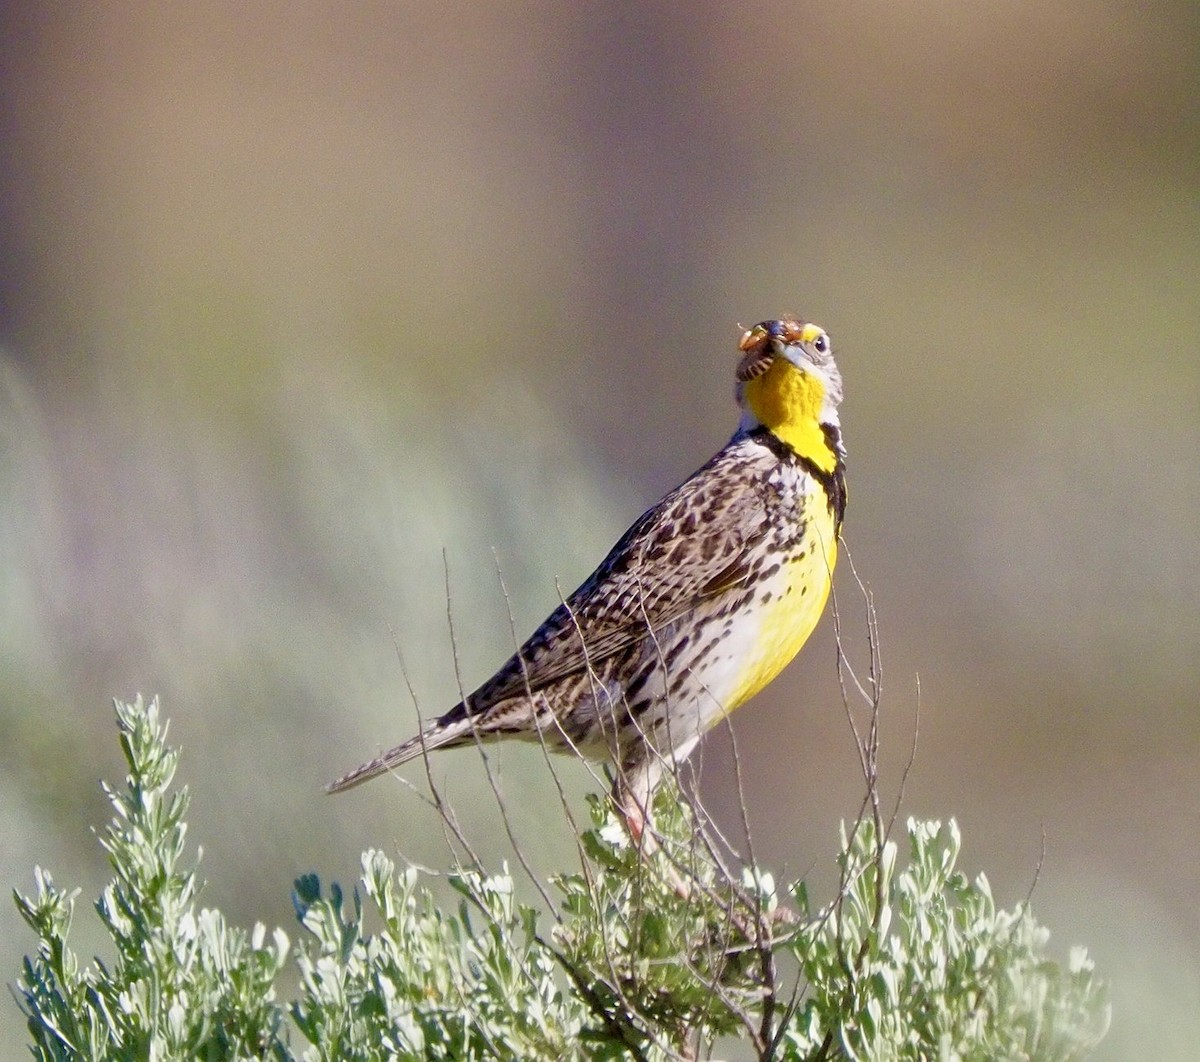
x: 787, y: 381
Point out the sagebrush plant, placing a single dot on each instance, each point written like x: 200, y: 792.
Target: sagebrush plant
x: 645, y: 956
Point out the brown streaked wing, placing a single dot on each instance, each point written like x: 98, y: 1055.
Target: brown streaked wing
x: 692, y: 546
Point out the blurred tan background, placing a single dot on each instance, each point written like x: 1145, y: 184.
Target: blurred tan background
x: 298, y: 298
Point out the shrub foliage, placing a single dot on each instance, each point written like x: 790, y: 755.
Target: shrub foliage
x: 660, y: 955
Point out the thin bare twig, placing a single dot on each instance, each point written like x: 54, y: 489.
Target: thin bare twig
x: 445, y: 812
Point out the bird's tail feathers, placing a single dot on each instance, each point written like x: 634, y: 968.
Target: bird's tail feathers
x: 437, y: 735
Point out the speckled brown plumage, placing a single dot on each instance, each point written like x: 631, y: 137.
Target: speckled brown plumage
x: 662, y: 640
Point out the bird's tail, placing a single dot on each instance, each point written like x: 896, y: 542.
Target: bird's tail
x: 438, y: 735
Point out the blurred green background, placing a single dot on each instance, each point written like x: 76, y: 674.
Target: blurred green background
x: 306, y: 304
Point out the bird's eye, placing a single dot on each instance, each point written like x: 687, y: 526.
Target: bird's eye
x: 820, y: 344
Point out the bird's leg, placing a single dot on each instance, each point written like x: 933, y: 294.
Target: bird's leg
x: 634, y: 809
x: 632, y: 794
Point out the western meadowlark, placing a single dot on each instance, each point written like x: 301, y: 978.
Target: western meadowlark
x: 701, y: 603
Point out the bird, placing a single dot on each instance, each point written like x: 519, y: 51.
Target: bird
x: 699, y: 605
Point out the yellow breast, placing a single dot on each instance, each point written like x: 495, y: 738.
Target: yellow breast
x: 797, y: 596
